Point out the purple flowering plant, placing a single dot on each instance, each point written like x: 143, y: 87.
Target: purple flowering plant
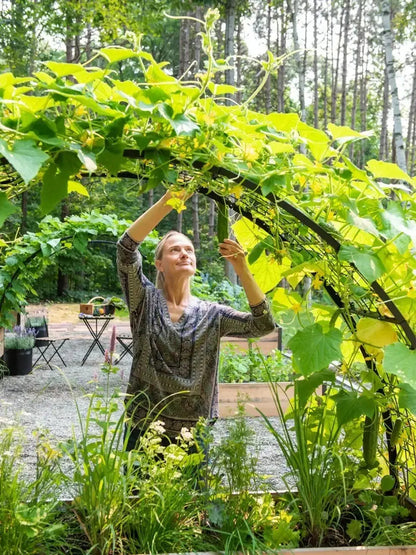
x: 20, y: 338
x: 110, y: 356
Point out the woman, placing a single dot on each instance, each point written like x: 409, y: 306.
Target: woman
x: 176, y: 337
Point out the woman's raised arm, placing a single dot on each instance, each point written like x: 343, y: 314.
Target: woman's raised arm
x: 145, y: 223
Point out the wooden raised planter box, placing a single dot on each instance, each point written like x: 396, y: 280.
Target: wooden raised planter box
x: 254, y: 395
x: 359, y: 550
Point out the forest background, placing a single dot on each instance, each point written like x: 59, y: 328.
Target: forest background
x: 349, y: 62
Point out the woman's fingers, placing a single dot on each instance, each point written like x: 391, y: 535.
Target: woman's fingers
x: 231, y: 249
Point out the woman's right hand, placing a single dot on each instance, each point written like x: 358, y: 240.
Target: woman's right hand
x: 176, y: 198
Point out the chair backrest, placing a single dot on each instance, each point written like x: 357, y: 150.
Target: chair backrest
x: 39, y: 324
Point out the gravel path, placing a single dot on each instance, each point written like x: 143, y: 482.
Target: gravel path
x: 48, y: 399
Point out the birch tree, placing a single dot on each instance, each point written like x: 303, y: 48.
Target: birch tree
x: 399, y: 151
x: 411, y: 127
x: 293, y: 9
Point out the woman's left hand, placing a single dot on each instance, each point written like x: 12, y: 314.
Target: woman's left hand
x: 234, y: 253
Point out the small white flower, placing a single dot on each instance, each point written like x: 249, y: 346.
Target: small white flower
x: 158, y: 426
x: 187, y: 435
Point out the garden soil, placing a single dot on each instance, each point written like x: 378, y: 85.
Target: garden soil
x: 50, y: 405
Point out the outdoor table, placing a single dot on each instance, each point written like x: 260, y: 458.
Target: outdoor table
x: 96, y: 325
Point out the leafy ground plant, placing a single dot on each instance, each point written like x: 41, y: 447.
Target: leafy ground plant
x: 326, y: 471
x: 143, y: 500
x: 29, y: 513
x: 252, y: 366
x: 241, y: 515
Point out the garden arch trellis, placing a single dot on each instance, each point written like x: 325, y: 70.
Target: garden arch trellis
x: 78, y: 118
x: 252, y: 206
x: 256, y: 206
x: 255, y: 200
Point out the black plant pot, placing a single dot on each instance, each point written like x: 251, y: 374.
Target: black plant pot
x: 18, y: 361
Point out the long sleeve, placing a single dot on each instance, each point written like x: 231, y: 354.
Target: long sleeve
x: 256, y: 323
x: 129, y: 266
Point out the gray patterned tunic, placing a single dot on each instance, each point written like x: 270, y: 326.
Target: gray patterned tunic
x: 175, y: 364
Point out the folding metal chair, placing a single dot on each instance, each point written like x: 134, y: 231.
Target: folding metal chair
x: 126, y: 341
x: 54, y: 344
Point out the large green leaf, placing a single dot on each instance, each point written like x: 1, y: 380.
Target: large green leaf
x: 266, y: 243
x: 350, y: 406
x: 112, y: 156
x: 407, y: 398
x: 273, y: 183
x: 25, y: 157
x: 268, y: 271
x: 155, y: 74
x: 116, y: 127
x: 61, y: 69
x: 305, y: 387
x: 364, y: 259
x: 388, y: 170
x: 313, y: 349
x: 396, y: 221
x: 400, y: 361
x: 45, y: 131
x: 366, y: 224
x: 180, y: 123
x: 344, y: 134
x: 55, y: 180
x: 116, y: 54
x: 6, y: 208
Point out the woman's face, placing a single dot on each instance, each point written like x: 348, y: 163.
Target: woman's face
x: 178, y: 257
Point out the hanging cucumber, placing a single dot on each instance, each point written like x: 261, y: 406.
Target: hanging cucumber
x: 396, y: 432
x: 370, y: 438
x: 222, y: 221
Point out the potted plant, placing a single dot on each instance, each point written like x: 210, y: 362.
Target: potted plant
x: 115, y: 303
x: 18, y: 352
x: 37, y: 322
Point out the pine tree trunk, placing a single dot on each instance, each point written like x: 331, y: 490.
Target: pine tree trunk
x: 197, y: 39
x: 335, y: 71
x: 345, y: 63
x: 411, y: 127
x: 230, y: 17
x: 326, y: 66
x: 412, y: 164
x: 357, y: 64
x: 268, y: 88
x: 195, y: 221
x: 238, y: 62
x: 363, y: 111
x: 383, y: 151
x: 315, y: 65
x: 211, y: 218
x: 281, y: 34
x: 72, y: 53
x: 400, y: 156
x: 293, y: 11
x: 184, y: 47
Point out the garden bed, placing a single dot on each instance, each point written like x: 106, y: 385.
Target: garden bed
x: 46, y: 398
x: 255, y: 397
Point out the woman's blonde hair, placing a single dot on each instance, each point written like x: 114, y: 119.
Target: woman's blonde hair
x: 160, y: 278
